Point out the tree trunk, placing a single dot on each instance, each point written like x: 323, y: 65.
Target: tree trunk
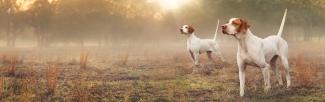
x: 45, y: 39
x: 39, y: 37
x: 10, y: 36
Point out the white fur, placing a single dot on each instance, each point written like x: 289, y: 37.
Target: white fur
x: 196, y: 46
x: 258, y: 52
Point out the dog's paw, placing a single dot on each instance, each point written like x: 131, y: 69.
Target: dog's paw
x: 195, y: 70
x: 267, y: 89
x: 197, y: 65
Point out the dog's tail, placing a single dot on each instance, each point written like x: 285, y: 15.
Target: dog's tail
x: 282, y: 23
x: 216, y: 33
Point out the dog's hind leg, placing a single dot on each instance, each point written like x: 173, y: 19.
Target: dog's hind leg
x: 287, y: 69
x: 220, y: 56
x: 284, y: 59
x: 209, y: 54
x: 217, y: 52
x: 276, y: 70
x: 266, y: 75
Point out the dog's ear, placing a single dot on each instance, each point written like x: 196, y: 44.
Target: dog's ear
x: 243, y: 26
x: 190, y: 29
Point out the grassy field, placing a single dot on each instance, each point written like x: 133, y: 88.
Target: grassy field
x: 75, y: 74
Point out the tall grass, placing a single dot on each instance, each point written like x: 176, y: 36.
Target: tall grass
x: 1, y: 86
x: 12, y: 65
x: 123, y: 59
x: 28, y: 89
x: 83, y: 60
x: 10, y: 62
x: 306, y: 71
x: 80, y: 91
x: 51, y: 79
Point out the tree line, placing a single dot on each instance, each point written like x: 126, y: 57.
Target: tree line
x: 51, y: 21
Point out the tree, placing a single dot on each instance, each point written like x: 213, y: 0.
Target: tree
x: 41, y: 13
x: 13, y: 18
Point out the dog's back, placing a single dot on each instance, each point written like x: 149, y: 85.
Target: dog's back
x: 208, y: 45
x: 274, y: 45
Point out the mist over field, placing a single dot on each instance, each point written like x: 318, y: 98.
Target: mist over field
x: 41, y: 23
x: 133, y: 50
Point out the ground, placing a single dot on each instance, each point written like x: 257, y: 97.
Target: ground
x: 149, y: 75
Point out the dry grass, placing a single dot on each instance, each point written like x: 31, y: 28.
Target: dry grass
x: 306, y: 71
x: 149, y: 77
x: 83, y: 60
x: 51, y: 79
x: 80, y: 92
x: 1, y: 86
x: 28, y: 89
x: 10, y: 62
x: 123, y: 59
x: 163, y: 74
x: 19, y: 88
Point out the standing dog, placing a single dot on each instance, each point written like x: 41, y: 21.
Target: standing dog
x: 196, y: 46
x: 258, y: 52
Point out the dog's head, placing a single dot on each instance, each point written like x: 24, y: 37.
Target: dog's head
x: 186, y: 29
x: 235, y: 26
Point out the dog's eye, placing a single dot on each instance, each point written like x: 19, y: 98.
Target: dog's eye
x: 233, y: 23
x: 236, y: 25
x: 186, y: 27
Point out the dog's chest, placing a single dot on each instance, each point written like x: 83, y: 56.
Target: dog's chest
x: 193, y: 44
x: 248, y: 58
x: 245, y: 56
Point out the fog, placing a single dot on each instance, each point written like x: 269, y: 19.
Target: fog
x: 118, y: 23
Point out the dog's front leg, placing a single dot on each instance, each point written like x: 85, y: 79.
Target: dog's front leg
x: 241, y: 68
x: 192, y: 56
x: 196, y: 58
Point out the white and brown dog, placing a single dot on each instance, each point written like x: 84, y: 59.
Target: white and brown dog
x: 196, y: 46
x: 258, y: 52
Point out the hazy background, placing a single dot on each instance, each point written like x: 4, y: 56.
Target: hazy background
x: 141, y: 23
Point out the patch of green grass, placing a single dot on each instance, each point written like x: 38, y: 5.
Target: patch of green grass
x: 188, y: 84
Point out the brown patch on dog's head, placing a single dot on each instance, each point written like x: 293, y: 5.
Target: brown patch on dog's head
x: 242, y: 25
x: 190, y: 29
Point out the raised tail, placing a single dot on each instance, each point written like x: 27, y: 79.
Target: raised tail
x: 216, y: 33
x: 282, y: 23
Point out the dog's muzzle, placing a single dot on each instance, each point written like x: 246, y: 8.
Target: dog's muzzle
x: 223, y: 28
x: 181, y: 30
x: 224, y: 31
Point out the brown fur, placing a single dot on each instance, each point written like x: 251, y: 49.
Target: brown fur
x: 191, y: 30
x: 244, y: 26
x: 237, y: 22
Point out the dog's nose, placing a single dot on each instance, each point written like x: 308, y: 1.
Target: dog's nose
x: 223, y: 26
x: 181, y: 30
